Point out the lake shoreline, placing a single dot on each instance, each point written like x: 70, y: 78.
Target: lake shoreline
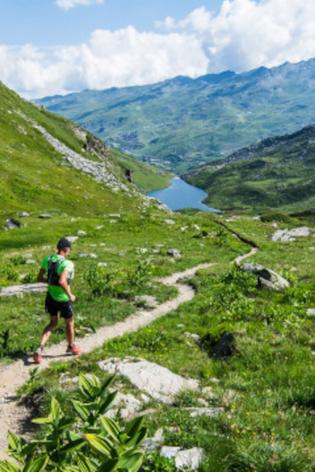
x: 181, y: 195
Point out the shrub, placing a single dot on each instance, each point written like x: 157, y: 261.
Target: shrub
x: 117, y: 282
x: 84, y: 440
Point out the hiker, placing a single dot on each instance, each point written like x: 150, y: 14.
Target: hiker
x: 58, y: 272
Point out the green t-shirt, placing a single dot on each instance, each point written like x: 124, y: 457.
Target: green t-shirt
x: 56, y: 292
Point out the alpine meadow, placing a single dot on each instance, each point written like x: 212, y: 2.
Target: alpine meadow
x: 193, y: 336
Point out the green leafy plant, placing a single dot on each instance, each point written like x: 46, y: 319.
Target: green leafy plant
x: 84, y: 440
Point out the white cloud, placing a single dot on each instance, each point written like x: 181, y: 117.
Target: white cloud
x: 246, y: 33
x: 243, y: 35
x: 110, y: 58
x: 68, y: 4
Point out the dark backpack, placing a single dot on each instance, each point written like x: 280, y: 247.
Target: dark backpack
x: 53, y: 276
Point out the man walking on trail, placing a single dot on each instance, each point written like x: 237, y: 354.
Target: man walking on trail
x: 58, y: 272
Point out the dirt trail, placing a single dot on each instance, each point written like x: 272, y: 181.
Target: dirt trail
x: 14, y: 416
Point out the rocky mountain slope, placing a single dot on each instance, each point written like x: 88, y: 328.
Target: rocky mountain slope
x: 49, y: 164
x: 275, y: 173
x: 185, y: 122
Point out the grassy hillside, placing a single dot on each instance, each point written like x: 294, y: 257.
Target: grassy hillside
x: 183, y: 122
x: 276, y: 173
x: 33, y: 175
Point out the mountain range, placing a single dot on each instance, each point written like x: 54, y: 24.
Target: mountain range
x: 182, y: 122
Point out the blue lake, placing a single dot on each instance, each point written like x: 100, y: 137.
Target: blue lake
x: 181, y: 195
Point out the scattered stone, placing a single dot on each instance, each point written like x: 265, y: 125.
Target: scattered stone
x: 195, y: 337
x: 90, y: 255
x: 267, y: 278
x: 99, y: 227
x: 287, y: 235
x: 274, y: 225
x: 208, y: 393
x: 184, y: 458
x: 12, y: 223
x: 16, y: 290
x: 157, y: 381
x: 174, y: 253
x: 194, y: 226
x: 180, y: 325
x: 154, y: 443
x: 127, y: 405
x: 23, y: 214
x: 45, y: 216
x: 114, y: 215
x: 81, y: 233
x: 169, y: 222
x: 102, y: 264
x: 142, y: 250
x: 146, y: 300
x: 72, y: 239
x: 30, y: 261
x: 65, y: 379
x: 310, y: 312
x: 210, y: 412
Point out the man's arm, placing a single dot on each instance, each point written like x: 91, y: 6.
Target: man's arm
x: 63, y: 282
x: 42, y: 277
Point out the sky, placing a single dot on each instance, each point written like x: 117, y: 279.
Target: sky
x: 50, y: 47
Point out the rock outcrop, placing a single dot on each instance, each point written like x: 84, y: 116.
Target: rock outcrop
x: 267, y: 278
x: 287, y: 235
x: 153, y: 379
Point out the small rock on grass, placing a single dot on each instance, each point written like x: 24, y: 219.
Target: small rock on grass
x: 174, y: 253
x: 72, y: 239
x: 184, y: 458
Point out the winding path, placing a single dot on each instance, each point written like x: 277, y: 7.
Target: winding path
x: 14, y: 416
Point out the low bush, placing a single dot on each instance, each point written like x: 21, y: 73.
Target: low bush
x: 84, y: 440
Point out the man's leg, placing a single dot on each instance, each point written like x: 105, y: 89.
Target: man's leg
x: 48, y: 330
x: 38, y: 358
x: 70, y: 331
x: 68, y: 316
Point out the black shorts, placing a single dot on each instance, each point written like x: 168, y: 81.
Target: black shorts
x: 53, y: 308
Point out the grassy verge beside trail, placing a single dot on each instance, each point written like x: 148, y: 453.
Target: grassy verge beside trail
x: 266, y: 387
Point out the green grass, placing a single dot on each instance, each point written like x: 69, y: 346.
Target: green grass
x: 121, y: 243
x: 266, y: 388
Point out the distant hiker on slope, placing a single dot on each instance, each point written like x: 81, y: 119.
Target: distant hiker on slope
x: 58, y: 272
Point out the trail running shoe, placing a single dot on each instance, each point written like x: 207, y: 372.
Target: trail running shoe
x: 38, y: 357
x: 74, y: 350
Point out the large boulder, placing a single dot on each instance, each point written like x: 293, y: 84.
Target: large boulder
x: 267, y: 278
x: 157, y: 381
x: 287, y: 235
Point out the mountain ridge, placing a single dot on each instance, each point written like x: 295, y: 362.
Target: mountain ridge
x: 183, y: 122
